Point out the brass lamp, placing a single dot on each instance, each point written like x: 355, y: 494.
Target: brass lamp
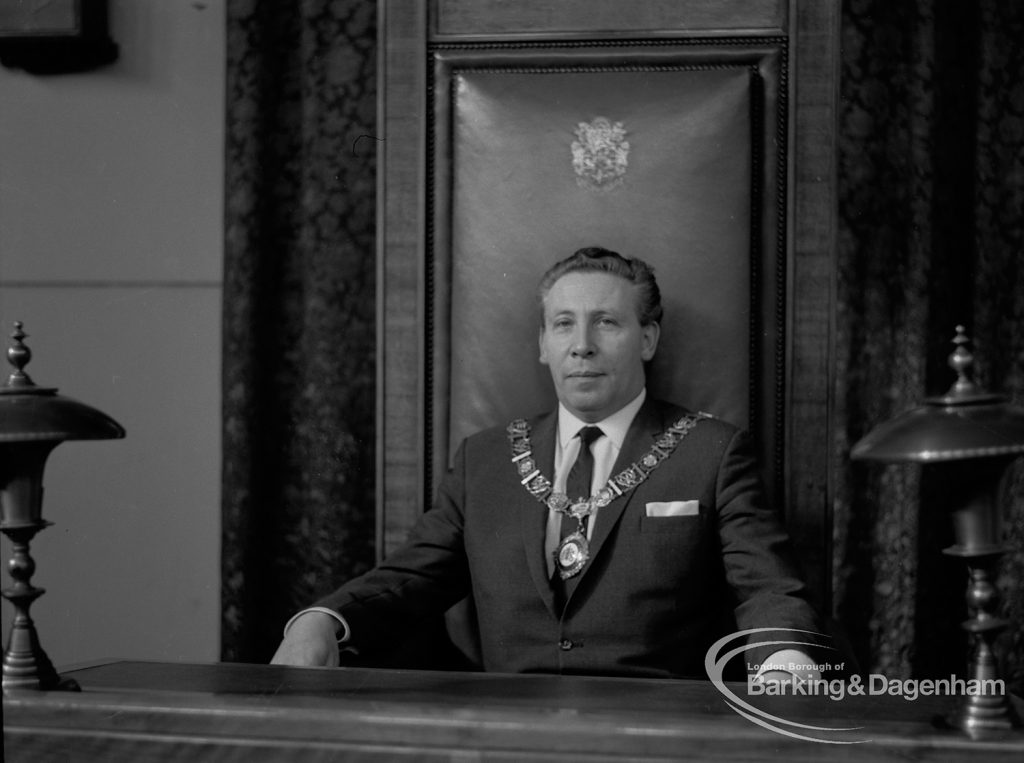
x: 33, y: 421
x: 971, y: 436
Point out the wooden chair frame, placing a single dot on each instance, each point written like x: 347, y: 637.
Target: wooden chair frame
x: 791, y: 44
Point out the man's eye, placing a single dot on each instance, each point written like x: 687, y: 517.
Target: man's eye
x: 562, y: 324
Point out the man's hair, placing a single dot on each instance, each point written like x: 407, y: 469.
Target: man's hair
x: 595, y: 259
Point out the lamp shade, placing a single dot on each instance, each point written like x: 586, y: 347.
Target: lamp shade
x: 29, y: 413
x: 45, y: 415
x: 964, y: 423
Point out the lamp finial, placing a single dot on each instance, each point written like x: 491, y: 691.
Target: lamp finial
x: 18, y: 355
x: 961, y: 360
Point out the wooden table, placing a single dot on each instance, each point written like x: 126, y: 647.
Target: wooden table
x: 141, y: 711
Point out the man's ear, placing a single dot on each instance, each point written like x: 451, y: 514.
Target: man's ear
x: 540, y: 346
x: 649, y: 336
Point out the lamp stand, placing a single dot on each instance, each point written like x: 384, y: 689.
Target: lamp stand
x: 25, y: 664
x: 972, y: 489
x: 969, y: 436
x: 988, y: 711
x: 33, y: 421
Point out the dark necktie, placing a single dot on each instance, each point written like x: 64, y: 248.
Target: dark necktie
x: 581, y: 475
x: 577, y: 485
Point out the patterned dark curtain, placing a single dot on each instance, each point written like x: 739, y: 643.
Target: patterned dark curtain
x: 299, y: 317
x: 931, y: 177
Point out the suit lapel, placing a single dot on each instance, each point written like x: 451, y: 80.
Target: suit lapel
x: 534, y: 514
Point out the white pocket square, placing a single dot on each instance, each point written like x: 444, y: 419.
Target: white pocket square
x: 673, y: 509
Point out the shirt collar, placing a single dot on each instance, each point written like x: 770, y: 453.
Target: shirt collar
x: 614, y: 427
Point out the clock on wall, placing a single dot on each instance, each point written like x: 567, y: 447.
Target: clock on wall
x: 55, y: 36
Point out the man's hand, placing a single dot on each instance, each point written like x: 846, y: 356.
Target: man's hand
x: 775, y: 677
x: 787, y: 665
x: 312, y: 640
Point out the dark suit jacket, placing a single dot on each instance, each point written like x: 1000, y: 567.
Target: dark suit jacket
x: 656, y: 592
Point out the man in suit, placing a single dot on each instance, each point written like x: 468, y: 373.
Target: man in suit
x: 617, y: 535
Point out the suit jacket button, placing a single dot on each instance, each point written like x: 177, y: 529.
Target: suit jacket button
x: 565, y: 645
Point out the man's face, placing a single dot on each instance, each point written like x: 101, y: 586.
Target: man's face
x: 593, y: 343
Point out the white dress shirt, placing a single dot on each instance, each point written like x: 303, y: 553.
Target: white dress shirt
x: 605, y: 449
